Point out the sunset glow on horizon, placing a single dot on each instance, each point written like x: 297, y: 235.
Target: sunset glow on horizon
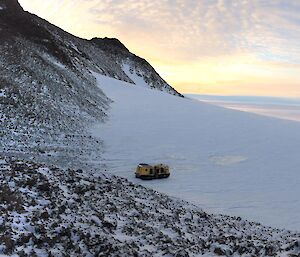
x: 219, y: 47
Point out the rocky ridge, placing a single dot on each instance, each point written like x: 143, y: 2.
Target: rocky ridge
x: 137, y: 65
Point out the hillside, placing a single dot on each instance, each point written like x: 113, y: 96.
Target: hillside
x: 47, y: 92
x: 77, y: 115
x: 136, y: 68
x: 46, y: 211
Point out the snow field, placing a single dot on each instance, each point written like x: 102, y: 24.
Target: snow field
x: 224, y: 161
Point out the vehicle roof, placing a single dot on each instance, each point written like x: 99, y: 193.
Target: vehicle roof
x: 144, y: 164
x: 161, y: 165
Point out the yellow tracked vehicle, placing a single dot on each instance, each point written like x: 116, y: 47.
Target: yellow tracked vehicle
x: 146, y: 171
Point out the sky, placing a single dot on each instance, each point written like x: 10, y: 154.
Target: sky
x: 224, y: 47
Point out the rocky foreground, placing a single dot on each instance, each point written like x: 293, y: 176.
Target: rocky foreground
x: 46, y: 211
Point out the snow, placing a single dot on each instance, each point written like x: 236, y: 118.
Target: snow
x: 132, y: 74
x: 225, y: 161
x: 2, y: 92
x: 126, y: 220
x: 54, y: 61
x: 2, y: 162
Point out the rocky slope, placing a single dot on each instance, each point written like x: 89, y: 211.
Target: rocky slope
x: 136, y: 66
x: 46, y: 211
x: 47, y: 91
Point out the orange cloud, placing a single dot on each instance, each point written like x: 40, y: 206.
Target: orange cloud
x: 226, y: 47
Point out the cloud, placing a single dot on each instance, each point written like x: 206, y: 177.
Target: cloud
x: 189, y: 29
x: 186, y: 29
x: 247, y: 41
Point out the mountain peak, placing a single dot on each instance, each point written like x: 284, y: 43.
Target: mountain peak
x: 139, y: 66
x: 112, y: 44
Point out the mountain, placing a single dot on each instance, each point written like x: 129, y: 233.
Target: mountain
x: 133, y: 65
x: 48, y: 93
x: 60, y: 96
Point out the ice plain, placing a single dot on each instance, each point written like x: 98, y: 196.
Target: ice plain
x: 225, y: 161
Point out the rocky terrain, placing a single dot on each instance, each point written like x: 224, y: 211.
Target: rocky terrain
x: 48, y: 94
x: 46, y: 211
x: 48, y: 98
x: 137, y: 65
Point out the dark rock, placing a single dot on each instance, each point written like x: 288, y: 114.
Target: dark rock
x: 219, y: 251
x: 45, y: 187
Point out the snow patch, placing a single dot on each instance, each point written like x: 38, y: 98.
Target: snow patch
x: 2, y: 161
x: 137, y: 78
x: 2, y: 93
x: 54, y: 61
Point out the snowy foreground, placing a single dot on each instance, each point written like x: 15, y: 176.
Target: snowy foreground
x: 222, y: 160
x: 46, y: 211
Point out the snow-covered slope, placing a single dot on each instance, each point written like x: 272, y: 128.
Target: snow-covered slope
x: 47, y: 92
x: 46, y: 211
x: 223, y: 160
